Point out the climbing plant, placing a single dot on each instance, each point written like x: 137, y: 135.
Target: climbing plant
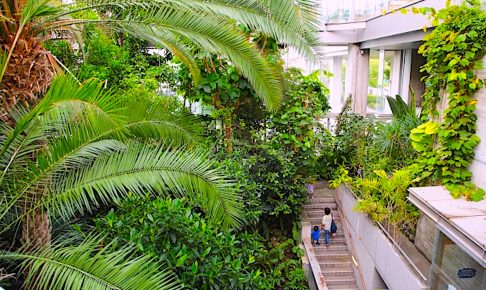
x: 453, y: 52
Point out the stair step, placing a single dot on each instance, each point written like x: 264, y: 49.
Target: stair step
x: 318, y: 221
x: 319, y: 214
x: 319, y: 206
x: 335, y: 257
x: 348, y: 279
x: 338, y: 240
x: 332, y: 264
x: 338, y: 233
x: 338, y: 271
x: 316, y: 199
x: 332, y: 247
x: 343, y: 287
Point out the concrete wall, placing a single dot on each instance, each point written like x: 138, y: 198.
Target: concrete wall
x: 478, y: 167
x: 379, y: 260
x: 426, y: 236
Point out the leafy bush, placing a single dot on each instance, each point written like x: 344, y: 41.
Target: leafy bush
x: 202, y: 256
x: 384, y: 198
x: 295, y: 127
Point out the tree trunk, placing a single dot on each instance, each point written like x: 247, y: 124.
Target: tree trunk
x: 120, y: 38
x: 36, y: 230
x: 228, y: 133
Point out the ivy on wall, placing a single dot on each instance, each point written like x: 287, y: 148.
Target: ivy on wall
x: 453, y: 52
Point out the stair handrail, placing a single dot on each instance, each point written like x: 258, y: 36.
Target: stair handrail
x: 345, y: 225
x: 310, y: 253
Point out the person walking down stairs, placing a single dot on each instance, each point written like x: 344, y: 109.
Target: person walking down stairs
x: 326, y: 225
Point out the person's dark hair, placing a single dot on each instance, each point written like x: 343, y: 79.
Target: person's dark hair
x: 316, y: 228
x: 327, y: 210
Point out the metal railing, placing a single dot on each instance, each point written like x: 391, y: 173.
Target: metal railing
x: 329, y: 121
x: 345, y: 11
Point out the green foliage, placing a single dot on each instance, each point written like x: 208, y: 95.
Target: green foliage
x: 454, y: 50
x: 400, y: 108
x: 251, y: 191
x: 341, y: 175
x: 295, y: 127
x: 87, y: 265
x: 201, y: 256
x: 275, y: 189
x: 422, y: 136
x: 64, y: 52
x: 363, y: 145
x: 353, y: 134
x: 80, y: 148
x: 384, y: 197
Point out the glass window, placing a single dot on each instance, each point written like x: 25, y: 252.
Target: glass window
x: 454, y: 269
x: 379, y: 80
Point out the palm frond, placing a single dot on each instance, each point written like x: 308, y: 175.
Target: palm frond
x: 149, y: 119
x: 211, y: 33
x: 177, y: 46
x: 292, y: 24
x: 139, y: 169
x: 89, y: 266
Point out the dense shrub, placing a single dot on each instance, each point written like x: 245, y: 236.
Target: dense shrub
x: 202, y: 256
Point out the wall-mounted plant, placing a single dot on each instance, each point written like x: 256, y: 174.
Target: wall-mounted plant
x: 453, y: 52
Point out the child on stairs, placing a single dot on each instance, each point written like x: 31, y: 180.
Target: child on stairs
x: 316, y: 232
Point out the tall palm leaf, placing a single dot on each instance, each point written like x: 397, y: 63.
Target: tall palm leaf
x: 87, y: 266
x: 84, y: 157
x: 79, y: 148
x: 178, y: 25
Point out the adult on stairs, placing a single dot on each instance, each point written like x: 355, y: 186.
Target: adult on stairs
x: 326, y: 225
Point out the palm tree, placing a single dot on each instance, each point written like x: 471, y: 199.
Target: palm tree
x: 178, y: 25
x: 80, y: 147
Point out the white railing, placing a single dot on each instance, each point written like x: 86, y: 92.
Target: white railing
x: 344, y: 11
x: 329, y: 121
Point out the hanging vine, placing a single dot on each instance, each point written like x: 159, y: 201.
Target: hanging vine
x: 454, y: 52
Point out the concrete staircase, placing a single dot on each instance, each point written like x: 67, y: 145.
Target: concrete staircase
x: 335, y: 260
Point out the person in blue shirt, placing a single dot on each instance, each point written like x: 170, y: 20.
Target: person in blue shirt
x: 316, y: 232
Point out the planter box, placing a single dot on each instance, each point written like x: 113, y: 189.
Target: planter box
x: 381, y: 262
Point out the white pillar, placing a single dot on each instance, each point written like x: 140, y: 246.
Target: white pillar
x: 407, y: 65
x: 357, y: 77
x: 395, y: 73
x: 395, y: 78
x: 336, y: 83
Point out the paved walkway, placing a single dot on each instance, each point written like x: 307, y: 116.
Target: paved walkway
x: 335, y: 260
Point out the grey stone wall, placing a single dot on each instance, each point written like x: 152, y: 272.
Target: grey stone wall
x: 426, y: 236
x: 376, y: 254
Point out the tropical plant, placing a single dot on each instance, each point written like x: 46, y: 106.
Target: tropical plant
x: 453, y: 51
x: 384, y: 198
x: 202, y: 256
x: 80, y: 148
x: 27, y: 68
x: 296, y: 126
x: 86, y: 265
x: 400, y: 108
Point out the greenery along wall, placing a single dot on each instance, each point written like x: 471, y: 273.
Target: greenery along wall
x: 454, y: 51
